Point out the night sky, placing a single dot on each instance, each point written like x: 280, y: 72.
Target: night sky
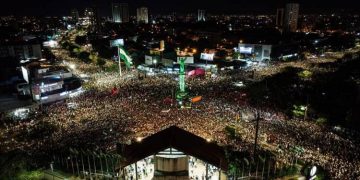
x: 57, y: 7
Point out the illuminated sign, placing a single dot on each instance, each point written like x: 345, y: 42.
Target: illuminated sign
x: 150, y: 60
x: 116, y: 42
x: 246, y: 50
x: 208, y: 57
x: 188, y: 60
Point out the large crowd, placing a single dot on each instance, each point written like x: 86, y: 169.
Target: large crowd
x: 98, y: 119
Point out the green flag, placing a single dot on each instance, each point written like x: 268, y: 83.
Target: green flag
x: 124, y: 56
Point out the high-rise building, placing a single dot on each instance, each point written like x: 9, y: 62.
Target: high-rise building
x: 92, y: 17
x: 74, y: 15
x: 279, y: 18
x: 291, y: 17
x: 116, y: 13
x: 88, y: 16
x: 201, y: 15
x: 124, y: 12
x: 88, y: 13
x: 142, y: 15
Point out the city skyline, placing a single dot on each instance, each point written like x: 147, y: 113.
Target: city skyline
x: 170, y: 89
x: 57, y: 8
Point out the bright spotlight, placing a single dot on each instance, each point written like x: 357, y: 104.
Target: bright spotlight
x: 139, y: 139
x: 72, y: 66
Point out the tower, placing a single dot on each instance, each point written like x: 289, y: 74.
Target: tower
x: 74, y: 15
x: 279, y: 18
x: 142, y: 15
x: 116, y: 12
x: 124, y: 12
x: 181, y: 92
x: 291, y: 17
x: 201, y: 15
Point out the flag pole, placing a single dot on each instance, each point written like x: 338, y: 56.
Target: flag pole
x: 119, y: 60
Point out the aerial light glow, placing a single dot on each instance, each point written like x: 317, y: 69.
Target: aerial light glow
x: 139, y: 139
x: 72, y: 66
x: 239, y: 84
x: 21, y: 113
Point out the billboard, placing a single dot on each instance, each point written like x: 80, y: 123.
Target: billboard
x: 260, y: 51
x: 116, y: 42
x: 188, y: 59
x: 246, y: 50
x: 150, y: 60
x: 208, y: 57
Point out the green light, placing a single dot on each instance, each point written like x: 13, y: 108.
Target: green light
x: 181, y: 94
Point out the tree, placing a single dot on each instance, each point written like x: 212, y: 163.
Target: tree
x: 231, y: 132
x: 101, y: 62
x: 81, y: 40
x: 84, y: 56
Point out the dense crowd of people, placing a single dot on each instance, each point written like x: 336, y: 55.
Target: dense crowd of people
x: 99, y: 118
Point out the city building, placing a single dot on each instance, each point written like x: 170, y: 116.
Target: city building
x: 88, y: 13
x: 124, y: 12
x: 51, y: 83
x: 279, y: 18
x: 291, y: 17
x: 256, y: 52
x: 88, y: 16
x: 24, y: 49
x: 116, y: 18
x: 92, y: 18
x: 201, y: 15
x: 74, y: 15
x: 142, y: 15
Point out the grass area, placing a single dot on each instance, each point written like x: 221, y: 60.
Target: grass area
x: 30, y: 175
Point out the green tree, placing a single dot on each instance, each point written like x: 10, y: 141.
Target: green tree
x: 81, y: 40
x: 101, y: 62
x: 84, y: 56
